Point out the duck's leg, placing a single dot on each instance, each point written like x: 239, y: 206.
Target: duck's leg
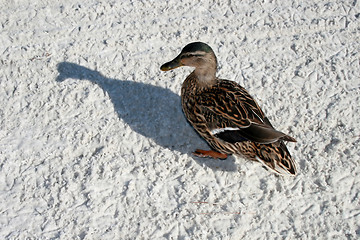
x: 209, y: 153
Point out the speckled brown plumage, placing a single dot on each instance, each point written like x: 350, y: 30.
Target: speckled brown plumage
x: 225, y: 114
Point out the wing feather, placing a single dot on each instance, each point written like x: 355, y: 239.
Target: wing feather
x: 233, y: 115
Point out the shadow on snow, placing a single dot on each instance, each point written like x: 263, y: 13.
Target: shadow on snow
x: 152, y: 111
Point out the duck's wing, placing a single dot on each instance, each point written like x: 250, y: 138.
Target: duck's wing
x: 233, y: 115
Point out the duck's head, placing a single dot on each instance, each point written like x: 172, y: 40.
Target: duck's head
x: 196, y: 54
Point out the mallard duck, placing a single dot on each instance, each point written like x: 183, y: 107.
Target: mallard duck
x: 225, y: 114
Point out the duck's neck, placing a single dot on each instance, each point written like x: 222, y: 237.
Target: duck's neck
x: 206, y: 76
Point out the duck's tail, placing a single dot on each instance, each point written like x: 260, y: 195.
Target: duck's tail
x: 276, y: 158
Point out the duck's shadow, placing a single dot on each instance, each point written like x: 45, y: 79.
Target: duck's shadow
x: 152, y: 111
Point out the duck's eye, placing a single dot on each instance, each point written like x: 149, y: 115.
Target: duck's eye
x: 190, y: 55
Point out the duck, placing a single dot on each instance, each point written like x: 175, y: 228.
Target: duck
x: 226, y: 115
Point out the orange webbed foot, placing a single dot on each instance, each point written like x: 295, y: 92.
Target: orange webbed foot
x: 209, y: 153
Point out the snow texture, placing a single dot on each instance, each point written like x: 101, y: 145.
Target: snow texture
x: 94, y: 145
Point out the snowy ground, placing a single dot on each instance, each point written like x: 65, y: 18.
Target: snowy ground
x: 93, y: 143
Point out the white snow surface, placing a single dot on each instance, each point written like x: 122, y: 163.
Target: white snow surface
x: 94, y: 145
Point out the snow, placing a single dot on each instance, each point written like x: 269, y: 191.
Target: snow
x: 94, y: 145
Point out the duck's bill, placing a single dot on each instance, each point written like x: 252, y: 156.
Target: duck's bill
x: 171, y: 65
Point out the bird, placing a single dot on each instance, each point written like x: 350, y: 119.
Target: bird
x: 226, y: 115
